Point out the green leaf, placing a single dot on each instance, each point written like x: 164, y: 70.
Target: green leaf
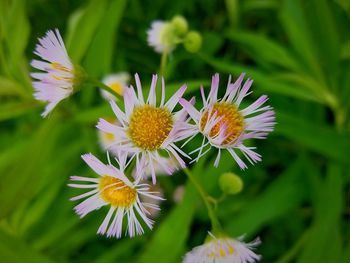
x: 9, y: 87
x: 81, y: 34
x: 324, y: 242
x: 13, y: 109
x: 297, y: 30
x: 319, y: 138
x: 103, y: 42
x: 14, y: 250
x: 282, y: 195
x: 264, y: 49
x: 262, y: 80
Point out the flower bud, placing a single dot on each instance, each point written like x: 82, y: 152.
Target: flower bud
x: 230, y: 183
x: 180, y: 25
x: 193, y: 41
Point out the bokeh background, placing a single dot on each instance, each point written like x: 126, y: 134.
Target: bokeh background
x: 296, y: 199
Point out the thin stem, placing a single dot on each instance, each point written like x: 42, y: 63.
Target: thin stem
x: 216, y: 227
x: 163, y: 62
x: 103, y: 86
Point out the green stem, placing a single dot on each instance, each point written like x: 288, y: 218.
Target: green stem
x: 163, y: 62
x: 103, y: 86
x: 216, y: 227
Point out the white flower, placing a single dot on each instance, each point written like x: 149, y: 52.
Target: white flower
x: 161, y: 36
x: 56, y: 81
x: 147, y: 131
x: 223, y: 250
x: 117, y: 82
x: 114, y: 189
x: 225, y: 126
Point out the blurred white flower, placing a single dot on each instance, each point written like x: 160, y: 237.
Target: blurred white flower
x: 161, y: 36
x: 117, y: 82
x: 223, y: 250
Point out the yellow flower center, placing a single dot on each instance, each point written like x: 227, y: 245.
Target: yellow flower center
x: 230, y: 117
x: 116, y: 192
x: 58, y: 66
x: 117, y: 87
x: 221, y: 252
x: 149, y: 126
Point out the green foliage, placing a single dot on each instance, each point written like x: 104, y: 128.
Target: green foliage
x: 296, y: 199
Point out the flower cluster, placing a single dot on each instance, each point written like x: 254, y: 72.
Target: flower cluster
x: 145, y: 134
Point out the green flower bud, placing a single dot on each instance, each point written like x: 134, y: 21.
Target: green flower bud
x: 193, y: 41
x: 230, y: 183
x: 180, y: 25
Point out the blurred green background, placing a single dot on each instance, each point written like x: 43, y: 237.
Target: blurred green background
x: 297, y: 199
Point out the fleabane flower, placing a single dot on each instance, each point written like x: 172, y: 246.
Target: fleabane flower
x: 58, y: 75
x: 161, y: 36
x: 223, y: 250
x: 225, y: 126
x: 117, y: 82
x: 148, y: 131
x: 124, y: 197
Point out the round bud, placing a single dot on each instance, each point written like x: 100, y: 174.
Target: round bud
x: 230, y: 183
x: 193, y: 41
x: 180, y: 25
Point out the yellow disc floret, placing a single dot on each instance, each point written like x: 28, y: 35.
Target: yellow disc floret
x: 221, y: 251
x: 117, y: 87
x: 230, y: 118
x: 149, y: 126
x: 116, y: 192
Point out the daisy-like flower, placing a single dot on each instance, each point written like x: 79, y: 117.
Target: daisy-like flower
x: 117, y: 82
x: 114, y: 189
x: 56, y: 81
x: 225, y: 126
x: 223, y: 250
x: 147, y: 131
x: 161, y: 36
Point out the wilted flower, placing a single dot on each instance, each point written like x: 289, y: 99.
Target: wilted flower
x: 117, y: 82
x: 56, y: 81
x: 223, y: 250
x: 224, y: 126
x: 114, y: 189
x: 147, y: 131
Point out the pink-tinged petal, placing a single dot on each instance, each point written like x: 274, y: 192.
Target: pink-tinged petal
x: 129, y: 101
x: 92, y: 203
x: 92, y: 192
x: 232, y: 88
x: 243, y: 92
x: 96, y: 165
x: 139, y: 88
x: 163, y: 93
x: 108, y: 127
x: 103, y: 228
x: 213, y: 94
x: 217, y: 159
x: 152, y: 98
x: 205, y: 102
x: 175, y: 98
x: 255, y: 106
x: 83, y: 179
x: 49, y: 107
x: 118, y: 113
x: 192, y: 111
x: 238, y: 160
